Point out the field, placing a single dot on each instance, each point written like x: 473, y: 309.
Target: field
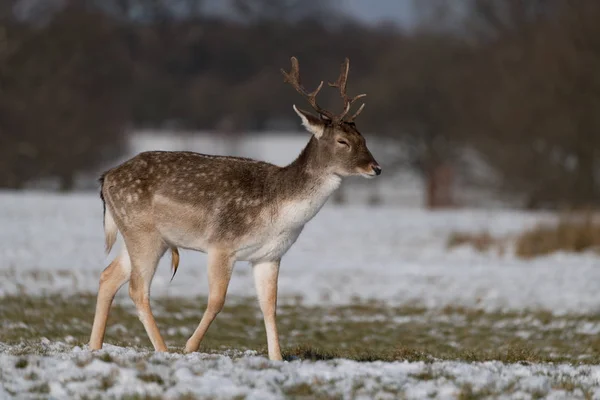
x: 372, y: 304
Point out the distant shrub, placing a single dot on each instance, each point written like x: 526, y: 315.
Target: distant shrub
x: 572, y: 233
x: 481, y: 241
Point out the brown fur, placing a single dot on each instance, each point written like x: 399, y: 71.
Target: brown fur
x: 233, y: 192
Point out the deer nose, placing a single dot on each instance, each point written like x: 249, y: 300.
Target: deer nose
x: 376, y: 168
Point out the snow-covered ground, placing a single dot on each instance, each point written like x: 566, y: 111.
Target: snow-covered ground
x: 120, y: 372
x: 54, y: 244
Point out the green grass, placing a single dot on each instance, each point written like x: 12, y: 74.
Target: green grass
x: 366, y: 331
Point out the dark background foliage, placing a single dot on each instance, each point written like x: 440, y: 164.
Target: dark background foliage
x: 516, y: 81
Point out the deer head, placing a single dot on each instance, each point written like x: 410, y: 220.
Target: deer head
x: 338, y: 140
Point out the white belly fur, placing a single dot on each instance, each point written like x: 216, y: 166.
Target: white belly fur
x: 270, y: 248
x: 272, y: 237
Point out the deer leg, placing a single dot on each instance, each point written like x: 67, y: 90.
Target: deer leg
x: 220, y: 266
x: 111, y: 280
x: 144, y: 260
x: 265, y: 280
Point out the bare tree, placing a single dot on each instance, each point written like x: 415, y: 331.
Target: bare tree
x: 530, y: 104
x: 64, y: 99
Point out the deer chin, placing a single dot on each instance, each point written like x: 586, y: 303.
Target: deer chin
x: 365, y: 174
x: 368, y: 176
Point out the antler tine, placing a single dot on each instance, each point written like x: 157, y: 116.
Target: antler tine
x: 349, y: 103
x: 293, y: 78
x: 342, y: 79
x: 351, y: 119
x: 341, y: 84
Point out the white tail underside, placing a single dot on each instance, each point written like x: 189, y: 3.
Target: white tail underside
x: 110, y: 230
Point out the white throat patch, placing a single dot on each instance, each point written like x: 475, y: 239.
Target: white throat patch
x: 298, y: 212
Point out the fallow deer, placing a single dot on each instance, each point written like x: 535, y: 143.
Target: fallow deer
x: 229, y: 207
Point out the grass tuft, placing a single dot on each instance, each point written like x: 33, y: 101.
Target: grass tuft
x: 43, y: 388
x: 467, y: 392
x: 106, y: 357
x: 572, y: 233
x: 151, y: 378
x: 21, y: 363
x: 305, y: 352
x: 108, y: 381
x: 517, y: 354
x: 32, y: 376
x: 481, y: 241
x: 360, y: 354
x: 301, y: 390
x: 425, y: 375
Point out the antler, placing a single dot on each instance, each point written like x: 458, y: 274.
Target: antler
x: 341, y: 84
x: 293, y: 78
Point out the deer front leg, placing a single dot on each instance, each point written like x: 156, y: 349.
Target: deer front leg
x: 265, y: 279
x: 220, y: 266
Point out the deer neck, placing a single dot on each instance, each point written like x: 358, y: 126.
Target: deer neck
x: 309, y: 183
x: 311, y: 169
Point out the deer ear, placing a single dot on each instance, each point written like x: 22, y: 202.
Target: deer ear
x: 312, y: 124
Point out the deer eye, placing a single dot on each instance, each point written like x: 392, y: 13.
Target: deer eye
x: 343, y: 142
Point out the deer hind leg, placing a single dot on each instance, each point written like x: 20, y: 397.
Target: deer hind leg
x: 111, y: 280
x: 145, y: 256
x: 265, y: 280
x: 220, y: 266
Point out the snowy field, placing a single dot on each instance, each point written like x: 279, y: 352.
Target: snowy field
x: 54, y: 244
x: 73, y: 372
x: 396, y: 258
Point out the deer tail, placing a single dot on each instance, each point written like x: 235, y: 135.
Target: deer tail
x: 174, y: 261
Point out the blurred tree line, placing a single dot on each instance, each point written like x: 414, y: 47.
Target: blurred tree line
x: 516, y: 82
